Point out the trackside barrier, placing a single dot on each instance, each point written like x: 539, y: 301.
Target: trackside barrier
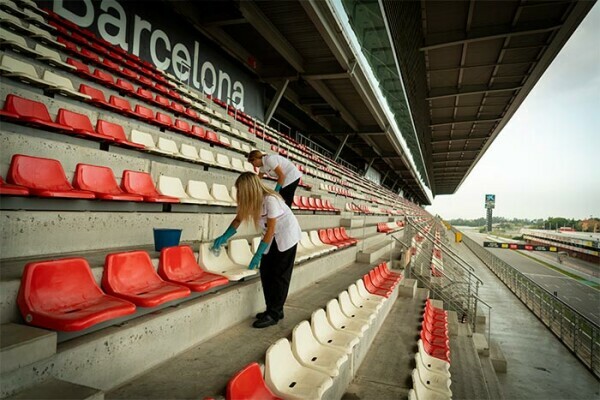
x: 579, y: 334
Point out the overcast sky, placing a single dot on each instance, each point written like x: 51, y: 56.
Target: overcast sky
x: 546, y: 160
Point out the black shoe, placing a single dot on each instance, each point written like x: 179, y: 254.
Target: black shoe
x: 265, y: 321
x: 262, y: 314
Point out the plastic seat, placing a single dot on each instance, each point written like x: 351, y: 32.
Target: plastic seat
x: 369, y: 303
x: 353, y: 312
x: 432, y: 363
x: 312, y: 354
x: 167, y: 146
x: 15, y: 68
x: 116, y: 132
x: 288, y: 378
x: 421, y: 392
x: 443, y: 353
x: 221, y: 195
x: 43, y: 177
x: 178, y: 265
x: 223, y: 161
x: 434, y: 381
x: 80, y: 124
x: 11, y: 39
x: 379, y: 282
x: 207, y: 157
x: 101, y: 181
x: 248, y: 384
x: 337, y: 233
x: 198, y: 190
x: 52, y: 57
x: 189, y: 152
x: 30, y: 112
x: 7, y: 189
x: 96, y: 97
x: 237, y: 164
x: 172, y: 187
x: 239, y: 251
x: 212, y: 137
x: 345, y: 236
x: 297, y: 204
x: 131, y: 276
x: 144, y: 113
x: 339, y: 321
x: 62, y: 295
x: 182, y: 126
x: 314, y: 238
x: 163, y: 120
x: 307, y: 244
x: 141, y: 183
x: 122, y: 105
x: 371, y: 288
x: 223, y: 265
x: 327, y: 335
x: 124, y: 86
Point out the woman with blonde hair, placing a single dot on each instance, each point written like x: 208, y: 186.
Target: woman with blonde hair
x: 280, y: 168
x: 277, y: 250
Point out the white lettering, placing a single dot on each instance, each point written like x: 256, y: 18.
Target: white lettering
x: 224, y: 77
x: 195, y: 69
x: 206, y: 86
x: 238, y: 95
x: 82, y: 20
x: 181, y: 62
x: 119, y: 22
x: 139, y: 25
x: 158, y: 34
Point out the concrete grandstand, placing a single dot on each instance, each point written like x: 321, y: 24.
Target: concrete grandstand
x: 120, y: 117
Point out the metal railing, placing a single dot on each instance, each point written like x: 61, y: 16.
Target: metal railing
x: 578, y: 333
x: 456, y: 284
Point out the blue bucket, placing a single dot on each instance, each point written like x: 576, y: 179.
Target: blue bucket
x: 166, y: 238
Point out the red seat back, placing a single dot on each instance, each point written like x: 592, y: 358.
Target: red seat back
x: 183, y: 125
x: 344, y: 234
x: 191, y: 113
x: 96, y: 179
x: 104, y: 76
x: 129, y: 73
x: 139, y: 183
x: 305, y: 202
x: 129, y: 273
x: 144, y: 111
x: 312, y: 204
x: 319, y: 204
x: 212, y: 136
x: 55, y: 285
x: 331, y: 236
x: 177, y: 107
x: 161, y: 100
x: 249, y: 384
x: 74, y: 120
x: 110, y: 129
x: 26, y: 108
x: 338, y: 235
x: 81, y: 67
x: 178, y: 263
x: 297, y: 201
x: 145, y: 93
x: 324, y: 237
x: 118, y: 102
x: 198, y: 131
x: 95, y: 94
x: 164, y: 119
x: 125, y: 85
x: 38, y: 173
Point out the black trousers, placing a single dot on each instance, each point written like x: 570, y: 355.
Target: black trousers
x: 275, y: 275
x: 288, y: 193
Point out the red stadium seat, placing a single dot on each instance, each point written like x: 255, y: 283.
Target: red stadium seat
x: 117, y: 133
x: 80, y: 124
x: 371, y: 288
x: 104, y: 77
x: 297, y: 203
x: 249, y: 384
x: 144, y: 113
x: 164, y: 120
x: 101, y: 181
x: 441, y: 352
x: 82, y: 68
x: 6, y: 189
x: 199, y: 132
x: 212, y: 137
x: 125, y: 86
x: 129, y: 73
x: 381, y: 283
x: 62, y: 295
x: 144, y: 94
x: 305, y: 203
x: 325, y: 238
x: 161, y: 88
x: 338, y: 235
x: 97, y: 96
x: 346, y: 237
x: 111, y: 65
x: 177, y: 108
x: 182, y: 126
x: 141, y: 183
x: 178, y: 265
x: 122, y: 104
x: 131, y: 276
x: 163, y: 101
x: 30, y: 112
x: 43, y: 177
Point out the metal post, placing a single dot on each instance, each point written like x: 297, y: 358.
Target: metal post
x: 275, y: 101
x: 339, y: 150
x: 369, y: 166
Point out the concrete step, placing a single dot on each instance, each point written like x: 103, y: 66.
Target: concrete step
x: 497, y: 357
x: 408, y: 288
x: 375, y: 252
x: 55, y: 389
x: 352, y: 222
x: 481, y: 344
x: 362, y: 231
x: 372, y: 240
x: 21, y: 345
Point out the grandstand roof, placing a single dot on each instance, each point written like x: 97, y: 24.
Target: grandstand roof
x: 460, y: 69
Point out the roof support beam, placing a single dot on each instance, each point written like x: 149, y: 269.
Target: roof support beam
x: 339, y: 150
x: 446, y: 39
x: 321, y: 77
x: 445, y: 152
x: 442, y: 93
x: 466, y: 121
x: 368, y: 166
x: 440, y: 141
x: 275, y: 101
x: 265, y: 27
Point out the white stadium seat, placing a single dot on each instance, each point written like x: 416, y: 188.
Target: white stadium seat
x: 313, y: 354
x: 328, y: 335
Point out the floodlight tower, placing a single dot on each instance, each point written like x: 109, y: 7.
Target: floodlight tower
x: 490, y: 203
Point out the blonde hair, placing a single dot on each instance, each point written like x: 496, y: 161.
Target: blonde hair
x: 254, y: 155
x: 250, y: 194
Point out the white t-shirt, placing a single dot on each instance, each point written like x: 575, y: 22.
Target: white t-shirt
x: 272, y: 161
x: 287, y: 228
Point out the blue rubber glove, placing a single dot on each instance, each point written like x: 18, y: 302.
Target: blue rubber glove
x: 221, y: 240
x: 255, y: 262
x: 277, y: 187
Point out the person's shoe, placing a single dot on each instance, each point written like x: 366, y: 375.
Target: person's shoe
x: 262, y: 314
x: 264, y: 322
